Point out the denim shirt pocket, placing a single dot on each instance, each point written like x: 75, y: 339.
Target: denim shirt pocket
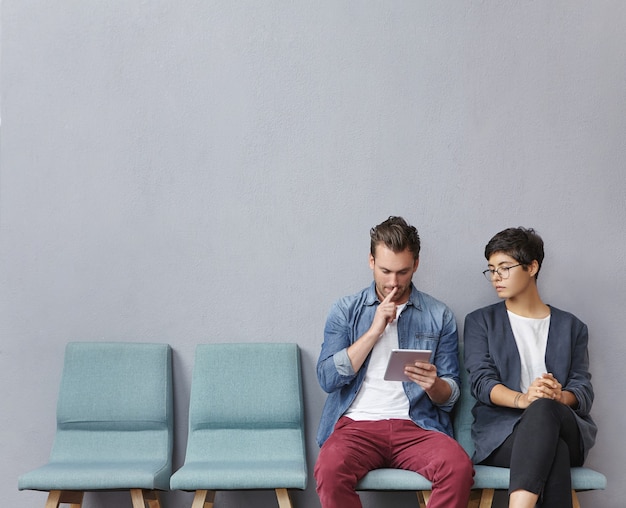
x: 425, y: 340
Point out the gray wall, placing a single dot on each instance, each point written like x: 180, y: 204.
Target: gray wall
x: 207, y: 171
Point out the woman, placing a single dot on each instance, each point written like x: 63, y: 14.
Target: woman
x: 528, y: 370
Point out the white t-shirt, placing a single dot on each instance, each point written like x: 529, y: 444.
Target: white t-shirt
x: 379, y: 399
x: 531, y: 337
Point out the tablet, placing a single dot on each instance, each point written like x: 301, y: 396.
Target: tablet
x: 399, y: 358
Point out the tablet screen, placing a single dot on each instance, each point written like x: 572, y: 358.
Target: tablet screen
x: 399, y: 358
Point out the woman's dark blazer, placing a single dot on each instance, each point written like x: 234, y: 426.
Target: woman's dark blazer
x: 491, y: 358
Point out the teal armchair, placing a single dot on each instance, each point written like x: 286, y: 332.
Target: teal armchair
x: 246, y: 422
x: 114, y: 425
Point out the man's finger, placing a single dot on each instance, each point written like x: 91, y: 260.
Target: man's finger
x: 390, y: 295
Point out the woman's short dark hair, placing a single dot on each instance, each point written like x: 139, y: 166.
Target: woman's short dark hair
x: 522, y: 244
x: 397, y: 235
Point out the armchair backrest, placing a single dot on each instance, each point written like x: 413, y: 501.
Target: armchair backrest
x: 463, y: 419
x: 246, y: 402
x: 115, y: 400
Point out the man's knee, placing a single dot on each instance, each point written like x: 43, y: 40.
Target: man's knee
x: 463, y: 468
x: 330, y: 464
x: 324, y: 466
x: 455, y: 465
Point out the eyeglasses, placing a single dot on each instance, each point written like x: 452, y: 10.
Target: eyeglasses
x: 503, y: 272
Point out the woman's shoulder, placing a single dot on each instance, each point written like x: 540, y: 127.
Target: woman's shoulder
x: 488, y: 310
x: 560, y: 315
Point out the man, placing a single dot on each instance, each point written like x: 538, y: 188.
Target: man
x: 369, y: 423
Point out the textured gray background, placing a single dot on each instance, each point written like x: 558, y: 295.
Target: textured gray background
x: 203, y: 171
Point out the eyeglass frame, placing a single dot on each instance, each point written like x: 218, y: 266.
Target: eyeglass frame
x: 489, y: 273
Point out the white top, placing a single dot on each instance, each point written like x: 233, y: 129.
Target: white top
x: 531, y: 337
x: 379, y: 399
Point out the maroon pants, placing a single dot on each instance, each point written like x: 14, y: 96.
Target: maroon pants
x: 356, y: 447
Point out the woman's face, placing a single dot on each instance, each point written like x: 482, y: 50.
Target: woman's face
x: 509, y: 278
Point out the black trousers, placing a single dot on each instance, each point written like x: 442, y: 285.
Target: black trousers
x: 543, y: 446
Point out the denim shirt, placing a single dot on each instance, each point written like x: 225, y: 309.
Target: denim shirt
x: 425, y: 323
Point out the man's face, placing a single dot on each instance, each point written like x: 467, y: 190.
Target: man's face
x: 393, y: 270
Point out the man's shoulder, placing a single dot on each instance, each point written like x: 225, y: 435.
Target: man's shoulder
x: 366, y: 296
x: 425, y: 300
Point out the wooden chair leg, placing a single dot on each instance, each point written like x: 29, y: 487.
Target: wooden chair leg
x: 54, y: 496
x: 486, y: 498
x: 575, y: 502
x: 154, y: 503
x: 284, y: 501
x: 423, y: 496
x: 152, y: 498
x: 474, y: 498
x: 140, y: 497
x: 203, y: 499
x: 136, y: 496
x: 71, y: 497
